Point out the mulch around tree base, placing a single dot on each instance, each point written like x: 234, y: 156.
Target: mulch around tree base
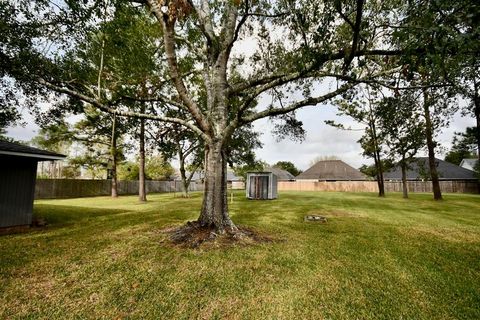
x: 192, y: 235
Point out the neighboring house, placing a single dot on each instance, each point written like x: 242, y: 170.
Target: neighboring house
x: 233, y: 181
x: 282, y: 175
x: 200, y: 175
x: 469, y: 164
x: 18, y: 172
x: 231, y: 177
x: 419, y: 170
x: 331, y: 170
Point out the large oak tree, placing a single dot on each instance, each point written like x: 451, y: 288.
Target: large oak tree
x: 213, y: 60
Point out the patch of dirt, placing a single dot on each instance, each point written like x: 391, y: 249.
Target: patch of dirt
x: 193, y: 235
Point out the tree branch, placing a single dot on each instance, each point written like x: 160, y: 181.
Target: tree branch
x: 205, y: 22
x: 229, y: 29
x: 113, y: 111
x: 169, y: 41
x: 356, y: 33
x: 276, y: 79
x: 312, y: 101
x: 240, y: 24
x: 156, y: 99
x: 386, y: 85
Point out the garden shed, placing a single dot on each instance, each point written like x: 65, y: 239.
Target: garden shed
x: 18, y: 173
x: 262, y: 185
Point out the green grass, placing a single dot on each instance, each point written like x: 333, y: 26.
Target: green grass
x: 375, y: 259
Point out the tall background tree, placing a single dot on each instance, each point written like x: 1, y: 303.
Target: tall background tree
x: 403, y: 131
x: 364, y: 109
x: 448, y: 32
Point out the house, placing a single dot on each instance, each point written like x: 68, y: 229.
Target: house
x: 469, y: 164
x: 419, y: 170
x: 331, y: 170
x: 18, y: 172
x: 233, y: 181
x: 282, y: 175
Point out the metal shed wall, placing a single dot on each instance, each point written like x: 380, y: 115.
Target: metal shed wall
x: 261, y: 185
x: 17, y: 189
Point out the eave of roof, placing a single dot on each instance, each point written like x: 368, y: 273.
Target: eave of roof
x: 41, y: 157
x: 18, y: 150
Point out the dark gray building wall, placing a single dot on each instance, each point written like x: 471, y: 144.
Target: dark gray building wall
x: 17, y: 188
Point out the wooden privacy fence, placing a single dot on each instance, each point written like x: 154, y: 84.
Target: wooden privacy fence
x: 76, y: 188
x: 371, y: 186
x: 348, y: 186
x: 454, y: 186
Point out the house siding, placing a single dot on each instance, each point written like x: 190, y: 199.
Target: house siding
x: 17, y: 189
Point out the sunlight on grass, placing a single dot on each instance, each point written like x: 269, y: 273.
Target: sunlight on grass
x: 375, y: 258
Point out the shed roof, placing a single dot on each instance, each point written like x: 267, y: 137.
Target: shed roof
x: 280, y: 173
x: 419, y: 170
x: 19, y: 150
x: 331, y: 170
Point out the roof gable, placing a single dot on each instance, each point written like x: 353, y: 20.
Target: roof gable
x: 331, y: 170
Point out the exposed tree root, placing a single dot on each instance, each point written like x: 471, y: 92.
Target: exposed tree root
x: 193, y: 235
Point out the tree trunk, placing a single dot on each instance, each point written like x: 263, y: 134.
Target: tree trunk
x: 214, y: 211
x: 476, y: 106
x: 183, y: 173
x: 142, y: 194
x: 113, y: 152
x: 404, y: 178
x: 381, y: 186
x: 437, y: 194
x: 378, y: 161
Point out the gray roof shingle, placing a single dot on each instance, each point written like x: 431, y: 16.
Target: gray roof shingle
x: 419, y: 170
x: 282, y: 175
x: 331, y: 170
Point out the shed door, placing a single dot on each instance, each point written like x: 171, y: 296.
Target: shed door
x: 259, y: 187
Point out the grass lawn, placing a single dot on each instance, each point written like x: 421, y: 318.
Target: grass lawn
x: 375, y: 259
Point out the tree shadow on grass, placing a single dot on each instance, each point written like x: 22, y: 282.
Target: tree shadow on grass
x: 57, y: 216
